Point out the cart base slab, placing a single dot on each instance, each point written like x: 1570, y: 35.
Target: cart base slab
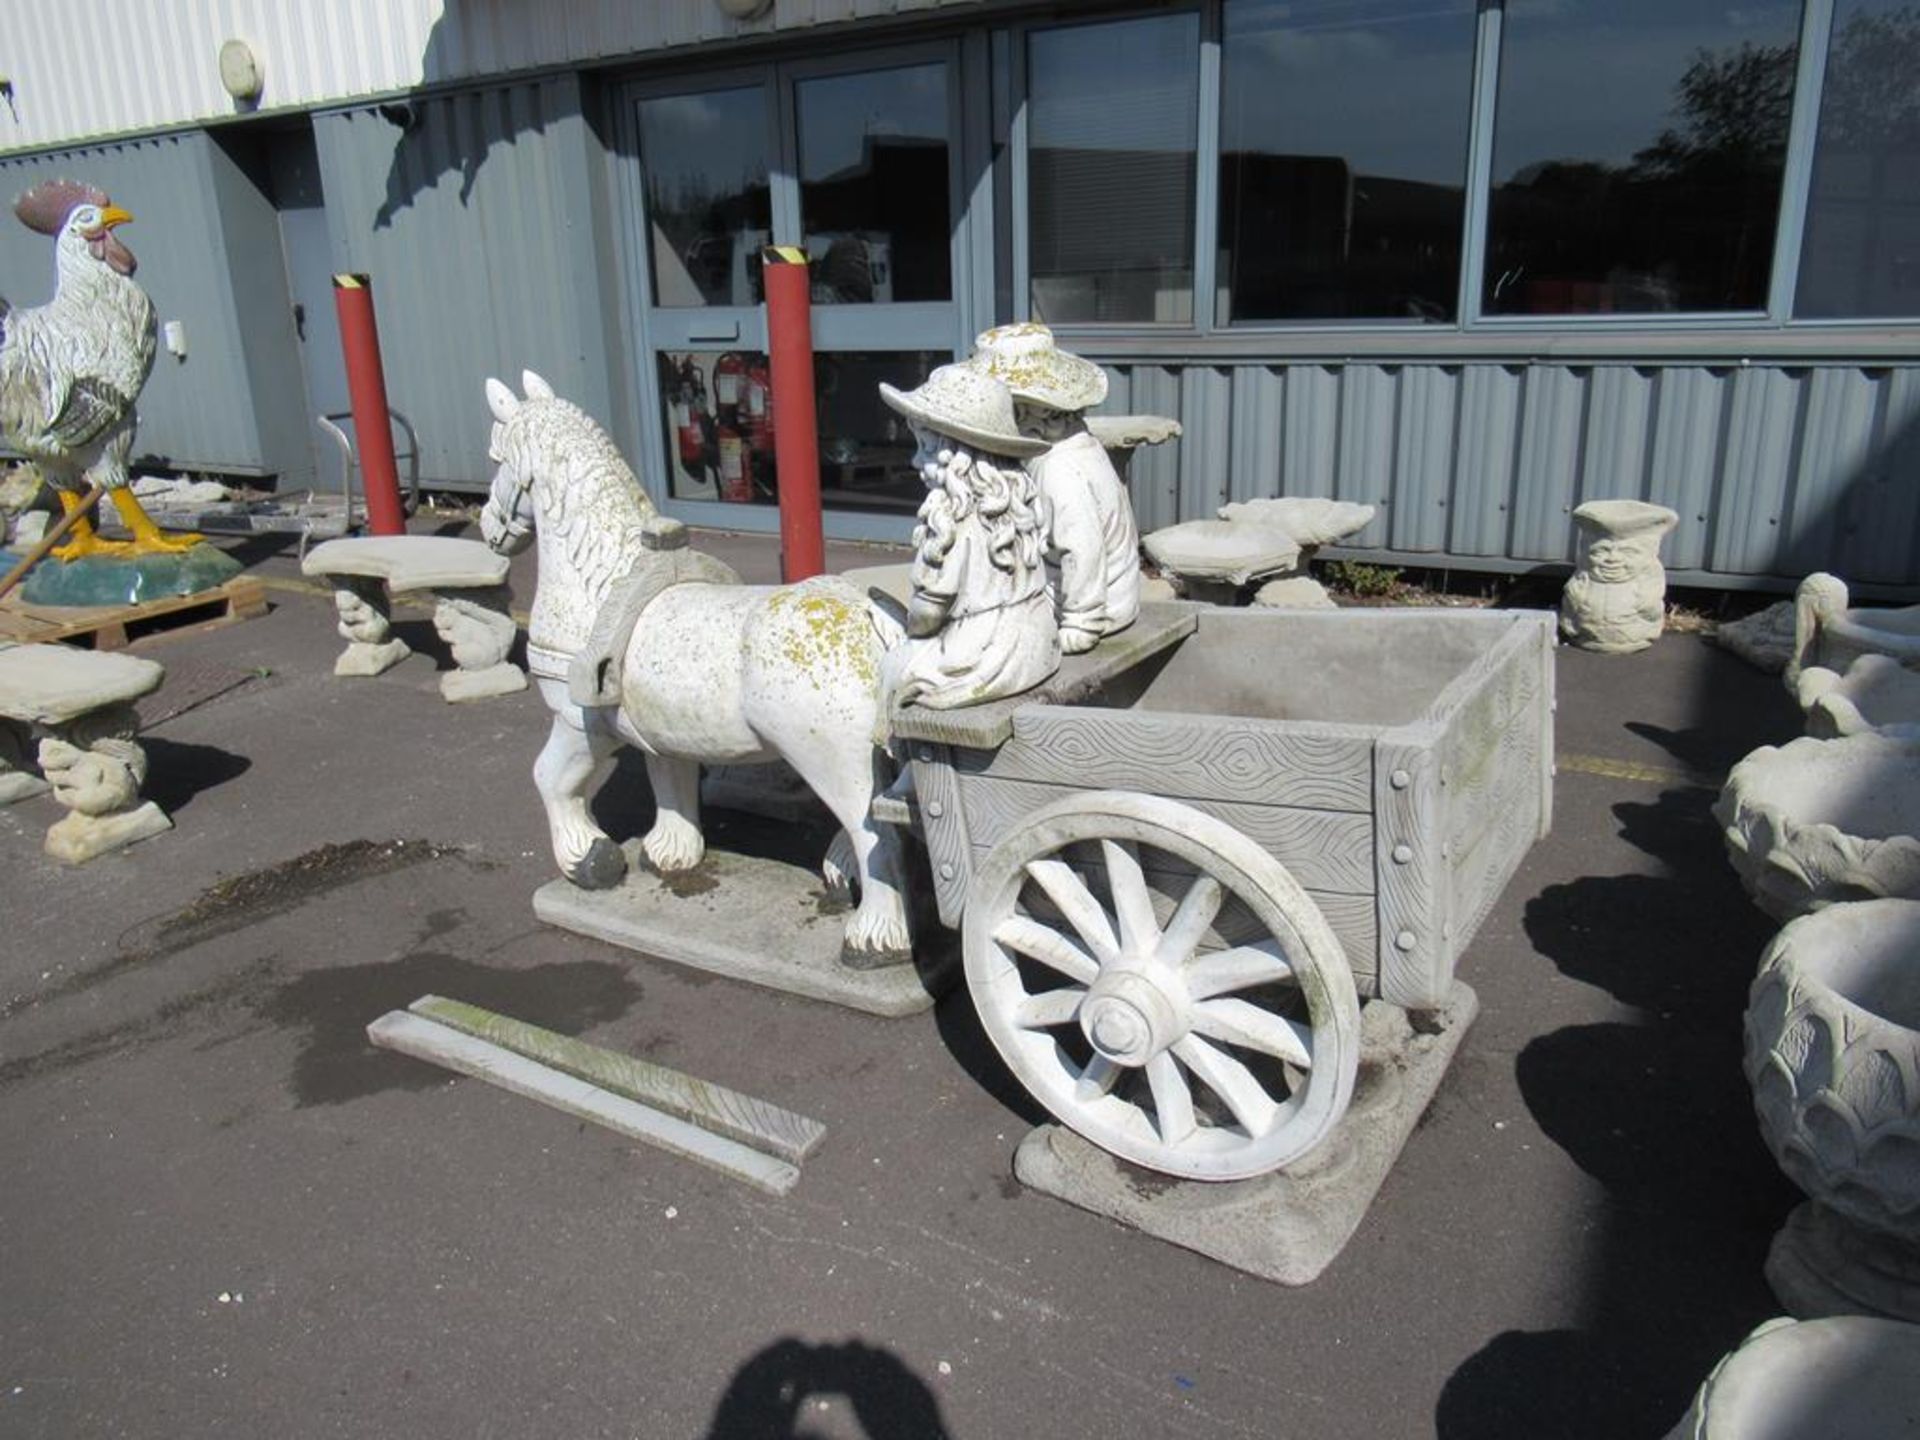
x: 1290, y: 1225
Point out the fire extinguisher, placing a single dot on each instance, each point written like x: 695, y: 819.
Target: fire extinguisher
x: 729, y: 376
x: 759, y: 406
x: 689, y: 419
x: 736, y: 479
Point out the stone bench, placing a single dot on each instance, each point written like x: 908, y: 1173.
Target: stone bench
x: 67, y: 724
x: 470, y: 612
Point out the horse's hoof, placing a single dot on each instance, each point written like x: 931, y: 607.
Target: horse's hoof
x: 601, y: 868
x: 880, y: 959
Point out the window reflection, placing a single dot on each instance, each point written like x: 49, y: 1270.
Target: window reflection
x: 1638, y: 149
x: 1861, y: 256
x: 721, y: 427
x: 873, y: 185
x: 1112, y: 126
x: 1343, y: 152
x: 705, y: 161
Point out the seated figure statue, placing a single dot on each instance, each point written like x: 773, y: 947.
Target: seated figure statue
x: 1094, y: 543
x: 980, y: 622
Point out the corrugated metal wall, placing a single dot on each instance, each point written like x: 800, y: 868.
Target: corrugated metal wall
x: 148, y: 64
x: 1775, y: 470
x: 478, y: 228
x: 201, y: 412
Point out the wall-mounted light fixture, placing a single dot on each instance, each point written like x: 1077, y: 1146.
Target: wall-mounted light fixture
x: 240, y: 73
x: 744, y: 9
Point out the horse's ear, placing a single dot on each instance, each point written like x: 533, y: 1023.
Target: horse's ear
x: 536, y: 388
x: 501, y: 401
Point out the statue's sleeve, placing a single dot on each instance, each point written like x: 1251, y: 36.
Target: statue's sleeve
x: 1079, y: 543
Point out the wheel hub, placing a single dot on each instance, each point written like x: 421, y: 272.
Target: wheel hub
x: 1129, y: 1018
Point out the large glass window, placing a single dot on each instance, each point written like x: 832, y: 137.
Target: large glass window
x: 873, y: 185
x: 721, y: 427
x: 1861, y: 255
x: 1638, y: 149
x: 705, y: 160
x: 1343, y: 156
x: 1112, y: 126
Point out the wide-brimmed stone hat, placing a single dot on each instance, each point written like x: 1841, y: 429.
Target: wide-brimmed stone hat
x: 1024, y: 358
x: 967, y: 403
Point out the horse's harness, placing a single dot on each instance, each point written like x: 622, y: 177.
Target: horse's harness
x: 594, y: 675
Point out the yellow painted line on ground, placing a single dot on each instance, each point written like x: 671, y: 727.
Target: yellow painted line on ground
x: 1632, y: 770
x: 422, y: 601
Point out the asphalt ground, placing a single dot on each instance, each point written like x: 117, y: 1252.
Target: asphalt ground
x: 224, y: 1213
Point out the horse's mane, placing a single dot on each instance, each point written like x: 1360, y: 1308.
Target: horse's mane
x: 590, y: 502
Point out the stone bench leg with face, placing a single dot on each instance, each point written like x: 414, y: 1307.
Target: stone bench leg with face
x: 366, y: 624
x: 96, y: 769
x: 477, y: 626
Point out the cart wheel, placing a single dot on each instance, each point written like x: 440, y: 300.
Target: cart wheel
x: 1162, y: 985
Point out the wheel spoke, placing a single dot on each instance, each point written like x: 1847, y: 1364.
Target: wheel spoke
x: 1239, y: 1023
x: 1132, y: 903
x: 1048, y: 946
x: 1096, y: 1080
x: 1231, y: 1081
x: 1051, y: 1007
x: 1069, y: 892
x: 1236, y: 969
x: 1172, y: 1100
x: 1195, y: 913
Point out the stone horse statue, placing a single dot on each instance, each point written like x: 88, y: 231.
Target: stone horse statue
x: 633, y: 639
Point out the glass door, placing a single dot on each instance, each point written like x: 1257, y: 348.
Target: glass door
x: 855, y: 161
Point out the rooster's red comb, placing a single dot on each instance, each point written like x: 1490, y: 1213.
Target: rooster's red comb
x: 46, y: 206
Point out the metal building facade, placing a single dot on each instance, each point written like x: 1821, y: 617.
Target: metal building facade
x: 1775, y: 469
x: 484, y: 226
x: 490, y: 209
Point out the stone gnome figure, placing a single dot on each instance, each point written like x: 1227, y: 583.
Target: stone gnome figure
x: 1616, y: 601
x: 980, y: 621
x: 1094, y: 543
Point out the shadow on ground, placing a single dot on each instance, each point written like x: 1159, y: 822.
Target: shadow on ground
x: 333, y: 1007
x: 1654, y: 1108
x: 771, y: 1394
x: 177, y: 771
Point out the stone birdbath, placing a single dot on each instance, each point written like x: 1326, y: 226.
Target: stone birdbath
x: 468, y: 583
x: 76, y: 707
x: 1254, y: 541
x: 1815, y: 821
x: 1833, y: 1055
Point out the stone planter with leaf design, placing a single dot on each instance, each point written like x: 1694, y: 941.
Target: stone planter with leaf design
x: 1813, y: 821
x: 1833, y: 1056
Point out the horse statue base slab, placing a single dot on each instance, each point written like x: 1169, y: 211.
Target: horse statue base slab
x: 636, y: 639
x: 764, y: 921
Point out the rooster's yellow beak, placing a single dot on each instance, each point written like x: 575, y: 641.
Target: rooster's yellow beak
x: 113, y: 215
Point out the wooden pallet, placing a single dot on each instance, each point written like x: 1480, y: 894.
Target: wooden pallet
x: 114, y: 627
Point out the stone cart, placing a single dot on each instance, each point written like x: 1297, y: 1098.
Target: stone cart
x: 1182, y: 865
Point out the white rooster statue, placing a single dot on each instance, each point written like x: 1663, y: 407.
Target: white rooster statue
x: 71, y: 369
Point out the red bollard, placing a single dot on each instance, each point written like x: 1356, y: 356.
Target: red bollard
x: 367, y: 386
x: 796, y: 439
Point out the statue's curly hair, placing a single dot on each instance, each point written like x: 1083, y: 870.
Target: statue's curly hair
x: 1003, y: 495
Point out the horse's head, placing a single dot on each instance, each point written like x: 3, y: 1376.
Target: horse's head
x: 507, y: 519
